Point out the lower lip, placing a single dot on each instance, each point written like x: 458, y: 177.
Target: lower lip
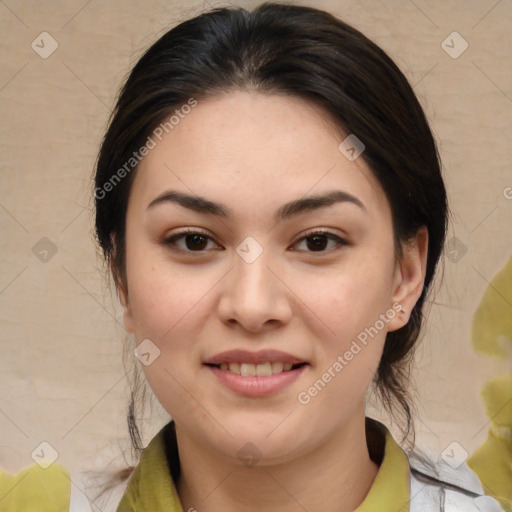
x: 257, y: 386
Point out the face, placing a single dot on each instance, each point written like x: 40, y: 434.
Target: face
x: 257, y: 286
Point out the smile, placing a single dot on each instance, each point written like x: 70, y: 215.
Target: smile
x: 258, y: 370
x: 255, y: 374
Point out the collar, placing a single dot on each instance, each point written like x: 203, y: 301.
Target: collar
x: 151, y: 486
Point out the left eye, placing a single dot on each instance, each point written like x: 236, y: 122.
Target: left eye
x: 318, y: 240
x: 196, y: 241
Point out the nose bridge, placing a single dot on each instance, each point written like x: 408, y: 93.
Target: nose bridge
x: 252, y: 277
x: 253, y: 295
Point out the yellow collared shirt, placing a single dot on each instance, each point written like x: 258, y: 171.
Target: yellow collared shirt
x: 151, y: 487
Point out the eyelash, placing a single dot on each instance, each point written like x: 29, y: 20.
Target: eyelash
x: 171, y: 241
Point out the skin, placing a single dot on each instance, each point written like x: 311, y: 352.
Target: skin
x: 253, y: 153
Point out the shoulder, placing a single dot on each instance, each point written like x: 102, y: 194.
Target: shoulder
x: 56, y: 489
x: 436, y: 486
x: 37, y: 487
x: 89, y: 494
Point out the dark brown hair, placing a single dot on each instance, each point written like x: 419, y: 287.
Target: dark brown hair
x: 301, y: 51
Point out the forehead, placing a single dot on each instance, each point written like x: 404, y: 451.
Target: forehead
x: 244, y: 145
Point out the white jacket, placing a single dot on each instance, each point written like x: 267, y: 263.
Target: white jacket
x: 440, y: 488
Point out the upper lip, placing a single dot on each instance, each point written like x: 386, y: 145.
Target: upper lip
x: 244, y: 356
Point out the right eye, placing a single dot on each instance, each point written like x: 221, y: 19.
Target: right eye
x: 194, y: 241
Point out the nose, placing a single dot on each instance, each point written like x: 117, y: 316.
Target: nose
x: 254, y: 295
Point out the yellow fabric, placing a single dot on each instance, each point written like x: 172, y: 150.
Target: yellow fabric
x: 35, y: 489
x: 491, y: 332
x: 492, y: 335
x: 497, y: 397
x: 492, y: 461
x: 151, y: 488
x: 390, y: 490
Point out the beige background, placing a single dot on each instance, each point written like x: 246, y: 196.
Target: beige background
x: 61, y: 375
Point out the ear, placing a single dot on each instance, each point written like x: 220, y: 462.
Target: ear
x: 409, y: 278
x: 122, y: 292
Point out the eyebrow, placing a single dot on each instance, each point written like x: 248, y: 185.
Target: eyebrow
x: 290, y: 209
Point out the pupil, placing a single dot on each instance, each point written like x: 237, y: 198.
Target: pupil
x: 319, y: 238
x: 197, y: 241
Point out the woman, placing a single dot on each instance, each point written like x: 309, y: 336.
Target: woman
x: 270, y: 202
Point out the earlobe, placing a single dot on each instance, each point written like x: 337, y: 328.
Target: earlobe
x: 125, y: 303
x: 409, y: 278
x: 127, y: 317
x: 122, y: 292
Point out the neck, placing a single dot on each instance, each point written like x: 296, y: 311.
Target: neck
x: 335, y: 477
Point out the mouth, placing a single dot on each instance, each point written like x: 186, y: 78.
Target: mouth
x: 257, y: 370
x: 256, y: 374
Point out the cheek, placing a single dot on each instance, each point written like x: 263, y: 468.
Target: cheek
x: 350, y: 348
x: 171, y: 305
x: 163, y: 299
x: 350, y: 297
x: 169, y: 308
x: 348, y: 302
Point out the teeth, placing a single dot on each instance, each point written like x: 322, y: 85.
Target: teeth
x: 247, y: 370
x: 277, y: 367
x: 264, y: 370
x: 234, y: 367
x: 260, y: 370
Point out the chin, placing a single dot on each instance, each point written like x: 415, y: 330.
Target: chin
x: 263, y: 451
x: 270, y: 432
